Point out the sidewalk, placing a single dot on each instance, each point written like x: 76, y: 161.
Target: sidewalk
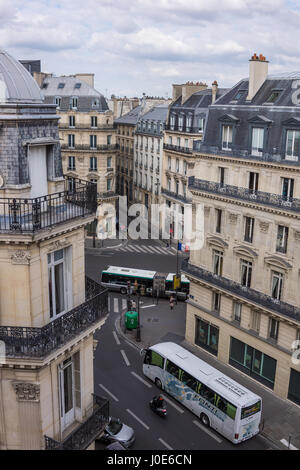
x: 281, y: 418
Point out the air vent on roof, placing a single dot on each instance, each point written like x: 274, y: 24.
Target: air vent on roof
x: 182, y: 355
x: 231, y: 386
x: 61, y: 85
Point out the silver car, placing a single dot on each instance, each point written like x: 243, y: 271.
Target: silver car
x: 116, y: 431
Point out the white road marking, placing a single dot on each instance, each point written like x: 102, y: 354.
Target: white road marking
x: 162, y: 250
x: 141, y: 379
x: 146, y: 248
x: 138, y: 419
x: 116, y: 305
x: 116, y: 337
x: 211, y: 434
x: 173, y: 404
x: 165, y: 444
x: 122, y: 249
x: 285, y: 442
x: 124, y: 304
x: 152, y: 249
x: 134, y: 248
x: 108, y: 392
x: 146, y: 306
x: 125, y: 357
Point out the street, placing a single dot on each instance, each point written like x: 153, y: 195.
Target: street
x: 118, y: 366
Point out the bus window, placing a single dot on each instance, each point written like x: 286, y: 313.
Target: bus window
x: 147, y: 358
x: 225, y: 406
x: 188, y: 380
x: 154, y: 359
x: 207, y: 393
x: 173, y: 369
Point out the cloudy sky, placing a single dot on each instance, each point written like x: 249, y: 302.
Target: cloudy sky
x: 136, y: 46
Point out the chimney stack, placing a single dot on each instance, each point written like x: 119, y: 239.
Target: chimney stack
x: 258, y: 71
x: 214, y: 90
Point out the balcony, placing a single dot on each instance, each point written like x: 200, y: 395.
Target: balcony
x: 177, y: 148
x: 19, y: 215
x: 178, y: 197
x: 105, y: 148
x: 32, y: 342
x: 236, y: 192
x: 253, y: 296
x: 184, y: 128
x: 86, y: 433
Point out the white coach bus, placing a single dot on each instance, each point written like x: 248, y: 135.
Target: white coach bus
x: 219, y: 402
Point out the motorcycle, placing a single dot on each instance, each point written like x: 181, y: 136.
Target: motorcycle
x: 161, y: 411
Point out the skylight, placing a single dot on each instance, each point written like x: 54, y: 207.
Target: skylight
x: 77, y: 85
x: 239, y: 95
x: 61, y: 85
x: 273, y: 96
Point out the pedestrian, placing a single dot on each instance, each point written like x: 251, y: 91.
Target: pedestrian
x: 172, y: 302
x: 133, y: 305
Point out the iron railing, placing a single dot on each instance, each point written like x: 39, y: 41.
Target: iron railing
x: 107, y: 147
x: 178, y: 148
x: 252, y: 295
x: 179, y: 197
x: 184, y: 128
x: 259, y: 197
x: 29, y: 215
x: 86, y: 433
x: 33, y: 342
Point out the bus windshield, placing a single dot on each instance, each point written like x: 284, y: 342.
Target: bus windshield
x: 251, y: 410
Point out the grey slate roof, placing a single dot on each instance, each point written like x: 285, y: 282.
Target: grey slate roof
x: 131, y: 117
x: 69, y: 86
x: 276, y: 118
x: 157, y: 113
x: 16, y: 83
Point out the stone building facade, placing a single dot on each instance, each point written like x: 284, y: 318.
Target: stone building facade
x: 244, y: 295
x: 50, y: 310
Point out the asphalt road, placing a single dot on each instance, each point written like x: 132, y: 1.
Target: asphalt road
x: 118, y: 372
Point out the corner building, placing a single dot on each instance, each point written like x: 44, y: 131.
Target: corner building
x: 49, y: 310
x: 244, y: 296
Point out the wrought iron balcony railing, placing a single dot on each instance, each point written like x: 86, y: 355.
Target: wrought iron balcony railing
x: 32, y: 342
x: 106, y: 148
x: 86, y: 433
x: 252, y: 295
x: 184, y: 128
x: 79, y: 199
x: 179, y: 197
x: 259, y: 197
x: 178, y: 148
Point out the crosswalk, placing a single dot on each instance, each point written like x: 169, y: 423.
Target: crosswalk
x: 119, y: 304
x: 149, y: 249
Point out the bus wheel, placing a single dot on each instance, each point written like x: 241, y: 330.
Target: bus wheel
x: 204, y: 419
x: 158, y: 383
x: 123, y: 290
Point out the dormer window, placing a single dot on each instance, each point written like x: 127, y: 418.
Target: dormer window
x: 57, y: 101
x: 172, y: 121
x: 292, y: 145
x: 61, y: 85
x: 226, y: 137
x: 95, y: 103
x: 73, y: 102
x: 273, y: 96
x: 201, y: 124
x: 239, y: 95
x: 188, y: 122
x: 257, y: 141
x: 77, y: 85
x: 180, y: 123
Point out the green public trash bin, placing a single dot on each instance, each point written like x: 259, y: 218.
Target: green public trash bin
x: 131, y: 320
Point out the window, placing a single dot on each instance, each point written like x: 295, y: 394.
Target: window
x: 188, y: 122
x: 294, y: 387
x: 253, y: 182
x: 59, y: 282
x: 273, y: 96
x: 249, y: 227
x: 169, y: 184
x: 170, y: 140
x: 74, y: 102
x: 95, y: 103
x: 93, y: 141
x: 186, y: 143
x: 71, y: 140
x: 108, y: 140
x: 207, y: 336
x: 178, y: 141
x: 180, y: 123
x: 57, y: 101
x: 61, y: 85
x: 273, y: 328
x: 189, y: 381
x: 154, y: 359
x: 93, y: 163
x: 77, y: 86
x: 246, y: 273
x: 169, y: 163
x: 239, y: 95
x: 184, y: 167
x: 109, y: 162
x: 94, y: 121
x: 217, y: 262
x: 222, y: 176
x: 287, y: 188
x: 201, y: 124
x: 282, y: 238
x: 226, y: 137
x: 218, y: 220
x: 71, y: 121
x: 255, y: 321
x: 109, y: 184
x: 257, y: 141
x: 277, y: 282
x: 173, y: 369
x: 71, y: 165
x: 237, y: 311
x: 216, y: 302
x: 177, y: 165
x: 292, y: 145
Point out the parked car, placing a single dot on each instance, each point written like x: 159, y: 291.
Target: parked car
x: 115, y: 446
x: 116, y: 431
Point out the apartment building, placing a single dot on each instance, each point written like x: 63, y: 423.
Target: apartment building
x: 184, y: 130
x: 244, y: 296
x: 49, y: 309
x: 148, y: 157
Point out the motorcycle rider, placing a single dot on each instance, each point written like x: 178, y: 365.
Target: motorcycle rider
x: 158, y: 401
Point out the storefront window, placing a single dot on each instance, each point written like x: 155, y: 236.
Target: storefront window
x: 207, y: 336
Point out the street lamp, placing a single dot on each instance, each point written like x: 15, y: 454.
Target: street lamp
x: 138, y: 329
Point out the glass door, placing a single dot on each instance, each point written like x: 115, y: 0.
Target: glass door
x: 66, y: 379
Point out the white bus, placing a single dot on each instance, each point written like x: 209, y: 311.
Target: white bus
x: 219, y: 402
x: 116, y: 278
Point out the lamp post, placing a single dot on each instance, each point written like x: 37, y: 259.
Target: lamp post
x: 138, y: 330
